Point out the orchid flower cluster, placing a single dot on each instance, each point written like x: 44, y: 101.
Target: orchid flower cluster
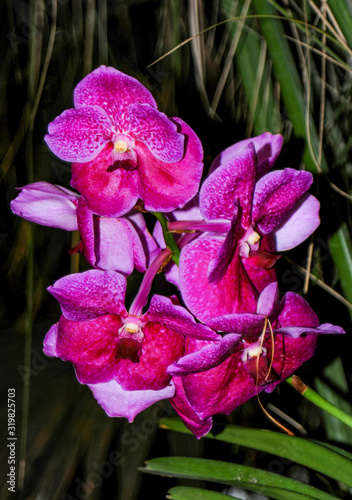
x: 227, y: 334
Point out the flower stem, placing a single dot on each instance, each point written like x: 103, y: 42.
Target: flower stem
x: 168, y: 237
x: 141, y: 298
x: 318, y: 400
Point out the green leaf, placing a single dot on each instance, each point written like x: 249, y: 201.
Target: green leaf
x: 248, y: 478
x: 311, y: 454
x: 285, y: 69
x: 187, y: 493
x: 343, y: 14
x: 335, y: 375
x: 340, y: 245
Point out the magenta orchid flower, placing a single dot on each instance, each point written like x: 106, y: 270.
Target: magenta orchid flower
x: 116, y: 244
x: 122, y: 356
x: 122, y: 148
x: 257, y: 352
x: 245, y: 222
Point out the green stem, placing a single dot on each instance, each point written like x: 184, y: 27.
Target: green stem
x: 168, y: 237
x: 318, y: 400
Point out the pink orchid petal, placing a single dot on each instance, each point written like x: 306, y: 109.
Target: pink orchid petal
x: 115, y: 249
x: 112, y: 90
x: 276, y: 195
x: 85, y: 219
x: 48, y: 205
x: 161, y: 347
x: 118, y: 402
x: 157, y: 132
x: 167, y: 186
x: 149, y: 249
x: 135, y: 244
x: 79, y: 135
x: 248, y: 325
x: 267, y: 147
x: 206, y: 358
x: 108, y: 191
x: 300, y: 224
x: 290, y: 354
x: 91, y: 346
x: 199, y: 427
x: 178, y: 319
x: 87, y: 295
x: 233, y: 293
x: 226, y: 254
x: 233, y: 180
x: 220, y: 389
x: 268, y: 300
x: 50, y: 342
x: 297, y: 331
x: 295, y: 311
x: 261, y: 278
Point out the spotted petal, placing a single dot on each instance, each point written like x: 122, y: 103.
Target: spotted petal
x: 112, y: 90
x: 211, y: 355
x: 108, y: 191
x: 156, y: 131
x: 88, y: 295
x: 233, y: 180
x: 233, y: 293
x: 79, y: 135
x: 167, y: 186
x: 276, y: 195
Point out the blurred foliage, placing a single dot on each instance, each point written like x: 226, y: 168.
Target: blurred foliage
x: 245, y: 67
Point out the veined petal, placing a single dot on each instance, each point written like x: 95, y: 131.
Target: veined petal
x: 289, y: 354
x: 226, y: 254
x: 112, y: 90
x: 295, y: 311
x: 91, y: 346
x: 167, y: 186
x: 118, y: 402
x: 200, y: 427
x: 88, y: 295
x: 276, y: 195
x: 245, y: 324
x: 157, y: 132
x: 233, y: 180
x: 220, y: 389
x: 79, y: 135
x: 234, y: 293
x: 48, y: 205
x: 267, y: 147
x: 297, y: 331
x: 178, y: 319
x: 206, y: 358
x: 300, y: 224
x: 108, y: 191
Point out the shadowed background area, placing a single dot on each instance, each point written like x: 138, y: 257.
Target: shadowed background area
x: 263, y: 67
